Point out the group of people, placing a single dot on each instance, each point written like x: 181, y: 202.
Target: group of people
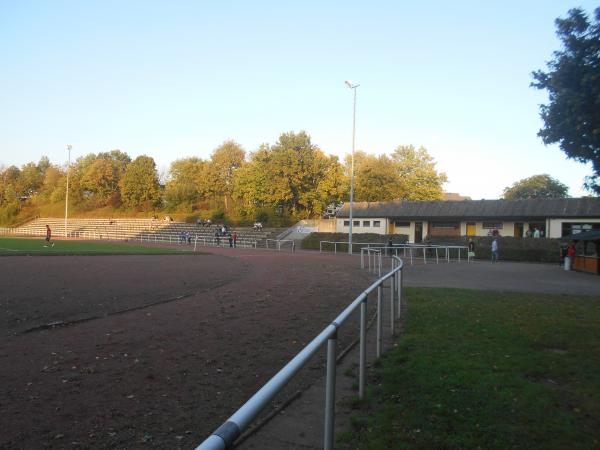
x: 535, y: 233
x: 185, y: 236
x: 223, y: 232
x: 258, y: 226
x: 203, y: 223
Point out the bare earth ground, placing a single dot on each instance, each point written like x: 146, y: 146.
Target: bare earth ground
x: 155, y: 351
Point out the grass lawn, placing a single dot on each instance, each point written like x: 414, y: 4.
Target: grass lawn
x: 27, y: 246
x: 489, y: 370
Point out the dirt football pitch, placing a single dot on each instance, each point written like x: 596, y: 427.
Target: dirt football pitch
x: 155, y: 351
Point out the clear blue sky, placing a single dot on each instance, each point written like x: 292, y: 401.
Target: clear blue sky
x: 175, y: 79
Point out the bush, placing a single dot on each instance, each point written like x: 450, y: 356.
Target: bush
x: 544, y: 250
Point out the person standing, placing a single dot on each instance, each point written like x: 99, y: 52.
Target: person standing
x: 569, y: 258
x: 495, y: 250
x: 471, y: 250
x: 48, y: 236
x: 234, y: 236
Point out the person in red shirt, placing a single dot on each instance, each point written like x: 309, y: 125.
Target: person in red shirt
x: 569, y: 259
x: 48, y: 236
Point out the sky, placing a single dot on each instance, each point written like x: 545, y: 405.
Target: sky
x: 176, y: 79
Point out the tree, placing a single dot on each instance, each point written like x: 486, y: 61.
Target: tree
x: 188, y: 182
x: 418, y: 178
x: 139, y: 186
x: 537, y: 186
x: 572, y: 117
x: 293, y: 173
x: 101, y: 178
x: 375, y: 178
x: 225, y: 160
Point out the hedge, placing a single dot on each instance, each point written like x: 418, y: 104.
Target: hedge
x: 543, y: 250
x: 311, y: 242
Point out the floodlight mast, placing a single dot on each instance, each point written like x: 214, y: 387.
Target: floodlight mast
x: 353, y: 87
x: 69, y: 147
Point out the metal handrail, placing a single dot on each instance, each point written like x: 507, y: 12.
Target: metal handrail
x: 224, y: 437
x: 278, y: 243
x: 407, y: 249
x: 143, y: 236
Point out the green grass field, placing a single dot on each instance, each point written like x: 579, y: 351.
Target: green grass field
x: 489, y: 370
x: 27, y: 246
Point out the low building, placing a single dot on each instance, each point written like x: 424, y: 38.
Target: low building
x: 518, y: 218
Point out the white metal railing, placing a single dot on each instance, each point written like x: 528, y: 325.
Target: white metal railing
x: 224, y: 437
x: 409, y: 251
x: 143, y: 236
x: 279, y: 243
x: 342, y: 244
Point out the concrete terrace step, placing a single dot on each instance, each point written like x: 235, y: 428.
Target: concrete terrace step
x: 123, y: 228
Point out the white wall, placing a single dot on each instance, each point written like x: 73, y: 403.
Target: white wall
x: 382, y: 229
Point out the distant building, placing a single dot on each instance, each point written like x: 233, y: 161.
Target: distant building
x: 455, y: 196
x: 551, y: 217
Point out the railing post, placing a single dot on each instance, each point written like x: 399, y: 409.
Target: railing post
x: 399, y: 287
x: 362, y: 258
x: 379, y: 319
x: 380, y: 261
x: 392, y: 305
x: 330, y: 392
x: 362, y: 370
x: 437, y: 257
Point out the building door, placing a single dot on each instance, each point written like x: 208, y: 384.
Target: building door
x: 518, y: 230
x: 471, y: 229
x: 418, y: 232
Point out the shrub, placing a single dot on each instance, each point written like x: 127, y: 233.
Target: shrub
x: 543, y: 250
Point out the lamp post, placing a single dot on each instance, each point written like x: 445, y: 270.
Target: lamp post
x: 353, y: 87
x: 69, y: 147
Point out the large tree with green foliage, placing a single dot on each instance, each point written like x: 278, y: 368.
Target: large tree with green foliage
x: 375, y: 178
x: 408, y: 174
x: 188, y: 183
x: 293, y: 174
x: 572, y: 117
x: 537, y: 186
x: 225, y: 161
x: 418, y: 178
x: 140, y: 186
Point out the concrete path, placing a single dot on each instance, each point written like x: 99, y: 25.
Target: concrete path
x: 300, y: 426
x: 508, y: 276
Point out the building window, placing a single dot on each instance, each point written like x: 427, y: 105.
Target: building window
x: 366, y: 223
x: 492, y: 225
x: 398, y: 223
x: 376, y: 223
x: 356, y: 223
x: 578, y: 227
x: 450, y: 225
x: 346, y: 223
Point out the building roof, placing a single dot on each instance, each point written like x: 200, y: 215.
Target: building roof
x: 455, y: 196
x: 478, y: 209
